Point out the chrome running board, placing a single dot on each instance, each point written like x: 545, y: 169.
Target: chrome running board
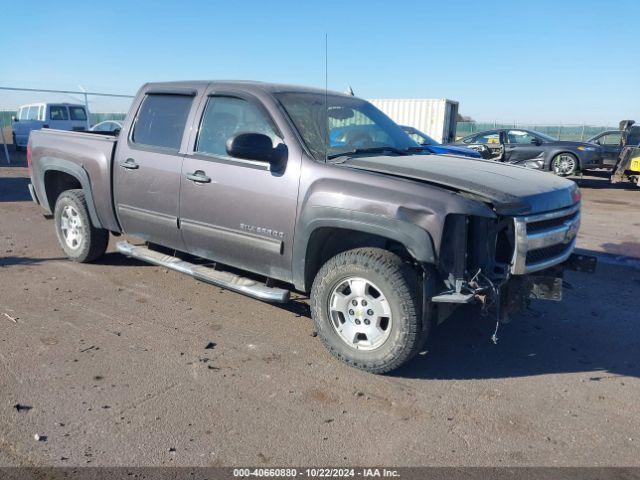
x: 223, y: 279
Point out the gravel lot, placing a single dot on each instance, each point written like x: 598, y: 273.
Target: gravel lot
x: 111, y: 359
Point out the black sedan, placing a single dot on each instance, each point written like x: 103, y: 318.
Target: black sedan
x: 537, y: 150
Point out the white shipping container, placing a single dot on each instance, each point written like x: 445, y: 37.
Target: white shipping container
x: 435, y: 117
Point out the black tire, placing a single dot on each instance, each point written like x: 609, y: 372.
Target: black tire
x: 565, y: 173
x: 93, y: 241
x: 398, y: 282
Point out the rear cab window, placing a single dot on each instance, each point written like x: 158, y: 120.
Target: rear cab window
x: 58, y: 112
x: 161, y: 120
x: 77, y: 113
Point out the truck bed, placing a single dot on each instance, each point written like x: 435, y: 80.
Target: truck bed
x: 83, y: 155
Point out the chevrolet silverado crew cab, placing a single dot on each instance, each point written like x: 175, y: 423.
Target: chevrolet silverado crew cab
x: 242, y: 185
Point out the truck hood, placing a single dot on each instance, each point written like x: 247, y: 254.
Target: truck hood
x: 511, y: 190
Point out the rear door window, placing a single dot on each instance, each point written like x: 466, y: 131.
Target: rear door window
x: 58, y: 112
x: 77, y: 113
x: 161, y: 120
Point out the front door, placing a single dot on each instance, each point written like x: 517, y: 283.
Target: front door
x: 492, y: 140
x: 146, y: 175
x: 238, y: 212
x: 610, y: 144
x: 522, y: 146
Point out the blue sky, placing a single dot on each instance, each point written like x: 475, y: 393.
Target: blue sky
x: 526, y: 61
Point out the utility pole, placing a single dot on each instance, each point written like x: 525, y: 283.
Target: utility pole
x: 86, y: 105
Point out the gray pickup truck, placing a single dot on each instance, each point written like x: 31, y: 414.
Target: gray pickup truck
x: 263, y: 189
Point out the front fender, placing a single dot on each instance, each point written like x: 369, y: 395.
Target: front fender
x: 416, y: 240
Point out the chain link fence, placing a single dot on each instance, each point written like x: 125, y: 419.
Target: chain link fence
x: 94, y: 117
x: 561, y: 132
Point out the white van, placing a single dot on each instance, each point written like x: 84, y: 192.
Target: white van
x: 59, y: 116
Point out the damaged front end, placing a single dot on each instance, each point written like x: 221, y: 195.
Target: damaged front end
x: 502, y: 263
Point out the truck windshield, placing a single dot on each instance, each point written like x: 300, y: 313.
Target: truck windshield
x: 340, y: 125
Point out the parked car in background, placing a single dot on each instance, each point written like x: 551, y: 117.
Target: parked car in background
x: 108, y: 126
x: 610, y: 141
x: 432, y: 146
x: 58, y: 116
x: 537, y: 150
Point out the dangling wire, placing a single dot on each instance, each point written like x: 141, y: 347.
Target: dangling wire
x: 496, y: 299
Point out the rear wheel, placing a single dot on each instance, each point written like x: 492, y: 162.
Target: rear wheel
x: 366, y: 307
x: 564, y: 164
x: 80, y: 240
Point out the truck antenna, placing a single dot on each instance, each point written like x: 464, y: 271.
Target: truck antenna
x: 326, y: 97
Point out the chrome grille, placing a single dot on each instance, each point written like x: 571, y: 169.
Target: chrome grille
x: 544, y: 240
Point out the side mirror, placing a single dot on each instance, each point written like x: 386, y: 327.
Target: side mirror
x: 14, y: 119
x: 252, y: 146
x: 597, y: 142
x: 536, y: 141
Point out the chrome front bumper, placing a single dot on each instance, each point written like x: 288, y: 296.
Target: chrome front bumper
x: 544, y: 240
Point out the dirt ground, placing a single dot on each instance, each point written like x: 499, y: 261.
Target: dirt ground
x: 111, y: 359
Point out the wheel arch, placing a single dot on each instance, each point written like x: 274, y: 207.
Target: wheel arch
x: 59, y: 175
x: 333, y: 230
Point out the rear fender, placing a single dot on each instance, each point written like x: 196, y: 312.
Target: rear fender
x: 47, y: 164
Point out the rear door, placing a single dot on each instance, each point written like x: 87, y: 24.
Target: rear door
x: 29, y: 120
x: 21, y: 127
x: 238, y: 212
x: 148, y: 165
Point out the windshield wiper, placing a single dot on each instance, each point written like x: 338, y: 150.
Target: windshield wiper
x: 421, y: 148
x: 357, y: 151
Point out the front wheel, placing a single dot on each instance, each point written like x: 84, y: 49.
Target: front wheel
x: 80, y: 240
x: 564, y: 164
x: 366, y: 308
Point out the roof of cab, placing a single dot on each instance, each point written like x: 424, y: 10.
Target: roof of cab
x: 244, y: 84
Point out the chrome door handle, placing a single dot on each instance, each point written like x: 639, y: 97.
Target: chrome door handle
x: 129, y: 163
x: 199, y: 177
